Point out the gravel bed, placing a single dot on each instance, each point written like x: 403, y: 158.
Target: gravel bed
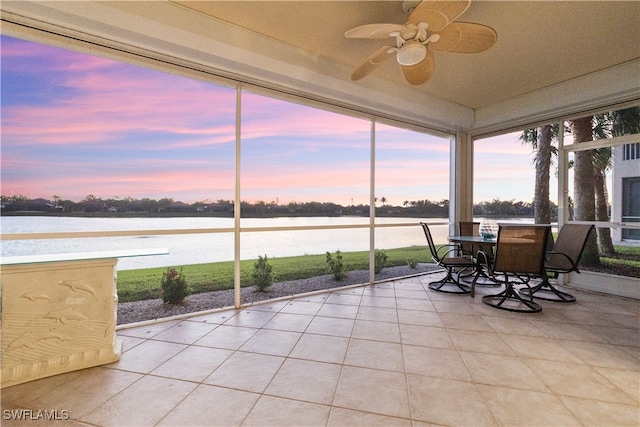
x: 138, y: 311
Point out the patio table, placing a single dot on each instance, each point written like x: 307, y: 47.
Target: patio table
x: 480, y: 277
x: 471, y: 239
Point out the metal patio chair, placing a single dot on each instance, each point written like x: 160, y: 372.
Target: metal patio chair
x: 519, y: 256
x: 453, y: 261
x: 564, y: 257
x: 469, y: 228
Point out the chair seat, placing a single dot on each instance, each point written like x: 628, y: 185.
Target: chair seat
x: 560, y: 265
x: 458, y: 262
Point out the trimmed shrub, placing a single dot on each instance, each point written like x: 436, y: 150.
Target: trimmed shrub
x: 262, y: 273
x: 336, y: 266
x: 174, y: 286
x: 380, y: 261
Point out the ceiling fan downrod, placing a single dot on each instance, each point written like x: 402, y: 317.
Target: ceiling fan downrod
x: 409, y: 5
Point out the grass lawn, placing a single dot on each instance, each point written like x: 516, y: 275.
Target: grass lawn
x: 625, y: 263
x: 135, y: 285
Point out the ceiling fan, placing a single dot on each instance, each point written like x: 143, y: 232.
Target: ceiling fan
x: 430, y: 29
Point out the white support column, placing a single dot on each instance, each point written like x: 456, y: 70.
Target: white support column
x: 372, y: 204
x: 563, y: 189
x: 563, y: 179
x: 461, y: 180
x: 236, y: 208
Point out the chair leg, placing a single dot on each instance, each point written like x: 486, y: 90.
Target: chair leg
x: 449, y: 281
x: 480, y: 278
x: 546, y: 291
x: 510, y: 295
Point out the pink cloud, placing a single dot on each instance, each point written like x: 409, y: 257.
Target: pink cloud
x: 98, y: 100
x: 502, y: 144
x: 298, y: 177
x: 196, y: 184
x: 103, y: 103
x: 263, y: 117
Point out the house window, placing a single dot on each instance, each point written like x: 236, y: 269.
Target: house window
x: 631, y: 206
x: 631, y: 151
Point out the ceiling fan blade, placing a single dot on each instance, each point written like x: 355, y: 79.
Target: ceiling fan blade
x: 422, y: 71
x: 438, y: 13
x: 374, y: 31
x: 464, y: 37
x: 373, y: 61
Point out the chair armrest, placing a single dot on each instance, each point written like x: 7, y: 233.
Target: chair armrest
x: 456, y: 248
x: 454, y: 251
x: 484, y: 259
x: 574, y: 267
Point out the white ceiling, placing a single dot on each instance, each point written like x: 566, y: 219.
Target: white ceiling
x: 550, y: 56
x: 539, y: 43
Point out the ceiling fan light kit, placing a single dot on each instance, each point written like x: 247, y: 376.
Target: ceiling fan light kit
x: 430, y: 29
x: 411, y: 53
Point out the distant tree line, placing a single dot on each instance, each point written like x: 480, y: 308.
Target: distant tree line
x: 168, y: 206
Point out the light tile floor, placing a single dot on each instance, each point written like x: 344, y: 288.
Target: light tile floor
x: 392, y: 354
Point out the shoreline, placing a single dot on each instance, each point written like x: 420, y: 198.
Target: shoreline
x: 225, y: 215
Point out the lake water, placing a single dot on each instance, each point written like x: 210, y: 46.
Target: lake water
x: 187, y: 249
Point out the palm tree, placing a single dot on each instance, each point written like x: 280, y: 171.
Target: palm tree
x: 601, y: 165
x: 584, y: 184
x: 615, y: 123
x: 625, y: 122
x: 541, y: 139
x: 590, y: 169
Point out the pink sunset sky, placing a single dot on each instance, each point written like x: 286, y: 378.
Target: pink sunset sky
x: 75, y: 125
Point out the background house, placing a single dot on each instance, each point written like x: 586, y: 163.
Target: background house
x: 626, y: 190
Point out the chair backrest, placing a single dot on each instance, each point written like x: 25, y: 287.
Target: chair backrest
x: 550, y: 241
x: 468, y: 228
x: 432, y: 246
x: 571, y: 242
x: 521, y: 249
